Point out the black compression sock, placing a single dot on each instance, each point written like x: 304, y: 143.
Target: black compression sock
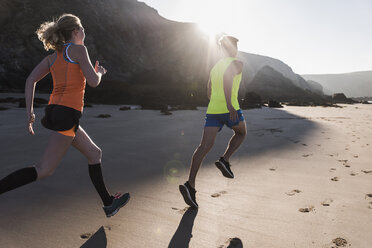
x: 95, y: 174
x: 18, y: 179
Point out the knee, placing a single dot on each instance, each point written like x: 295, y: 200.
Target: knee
x: 241, y: 133
x: 44, y: 171
x: 205, y: 148
x: 95, y: 156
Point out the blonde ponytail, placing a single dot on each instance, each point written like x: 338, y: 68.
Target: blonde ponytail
x: 56, y: 33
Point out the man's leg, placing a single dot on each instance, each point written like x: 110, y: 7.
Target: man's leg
x: 205, y: 146
x: 236, y: 140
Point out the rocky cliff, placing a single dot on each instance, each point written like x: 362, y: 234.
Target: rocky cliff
x: 354, y: 84
x: 147, y: 56
x: 271, y: 84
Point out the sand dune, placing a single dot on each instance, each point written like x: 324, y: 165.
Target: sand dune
x: 283, y: 194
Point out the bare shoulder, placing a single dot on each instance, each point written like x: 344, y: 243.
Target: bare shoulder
x: 51, y: 58
x: 77, y: 52
x: 238, y: 65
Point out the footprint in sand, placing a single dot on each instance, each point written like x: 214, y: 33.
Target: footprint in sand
x: 292, y: 140
x: 273, y: 168
x: 335, y: 179
x: 332, y: 169
x: 107, y: 228
x: 88, y: 235
x: 367, y: 172
x: 103, y: 116
x: 339, y: 242
x: 232, y: 243
x: 293, y: 192
x: 274, y: 130
x: 344, y: 162
x: 307, y: 155
x: 307, y: 209
x: 353, y: 173
x: 219, y: 194
x: 181, y: 211
x: 356, y: 156
x: 327, y: 202
x: 318, y: 144
x: 85, y: 235
x: 304, y: 144
x: 368, y: 195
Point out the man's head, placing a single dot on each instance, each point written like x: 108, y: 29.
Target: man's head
x: 229, y: 45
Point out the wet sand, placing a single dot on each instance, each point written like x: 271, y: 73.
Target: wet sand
x: 303, y: 178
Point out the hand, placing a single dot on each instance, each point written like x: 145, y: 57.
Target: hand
x: 30, y: 123
x: 233, y: 113
x: 99, y: 69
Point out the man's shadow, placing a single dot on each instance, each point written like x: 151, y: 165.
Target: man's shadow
x: 182, y: 236
x: 98, y: 240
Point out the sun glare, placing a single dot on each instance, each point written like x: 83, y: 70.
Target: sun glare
x: 210, y: 30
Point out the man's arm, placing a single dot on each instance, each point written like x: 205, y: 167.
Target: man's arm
x: 235, y: 68
x: 209, y: 92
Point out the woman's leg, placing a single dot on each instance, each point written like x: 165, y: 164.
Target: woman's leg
x: 57, y: 147
x: 93, y: 153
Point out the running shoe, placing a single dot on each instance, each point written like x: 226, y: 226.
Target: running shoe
x: 188, y: 194
x: 118, y: 202
x: 224, y: 167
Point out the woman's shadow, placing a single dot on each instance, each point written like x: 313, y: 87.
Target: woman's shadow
x: 182, y: 236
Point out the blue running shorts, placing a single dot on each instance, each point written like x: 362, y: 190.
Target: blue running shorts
x: 218, y: 120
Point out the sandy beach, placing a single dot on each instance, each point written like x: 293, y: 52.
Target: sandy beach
x: 303, y: 178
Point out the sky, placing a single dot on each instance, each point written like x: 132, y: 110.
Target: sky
x: 311, y: 36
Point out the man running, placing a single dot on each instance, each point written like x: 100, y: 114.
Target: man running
x: 223, y: 109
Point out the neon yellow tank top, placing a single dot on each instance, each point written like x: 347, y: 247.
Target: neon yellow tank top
x: 217, y: 103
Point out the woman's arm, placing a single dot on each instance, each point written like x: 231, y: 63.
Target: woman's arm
x: 79, y: 53
x: 40, y: 71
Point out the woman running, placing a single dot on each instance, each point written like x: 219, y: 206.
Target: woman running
x: 70, y: 67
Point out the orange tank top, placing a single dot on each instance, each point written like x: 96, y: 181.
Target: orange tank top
x: 68, y: 81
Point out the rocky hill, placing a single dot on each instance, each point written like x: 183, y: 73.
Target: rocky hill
x: 354, y: 84
x: 271, y: 84
x: 148, y: 57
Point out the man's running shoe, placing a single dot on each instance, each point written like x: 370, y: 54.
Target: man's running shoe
x: 224, y: 167
x: 118, y: 202
x: 188, y: 194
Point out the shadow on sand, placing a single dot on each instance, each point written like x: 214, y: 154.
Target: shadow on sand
x: 182, y: 236
x: 235, y: 243
x: 97, y: 240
